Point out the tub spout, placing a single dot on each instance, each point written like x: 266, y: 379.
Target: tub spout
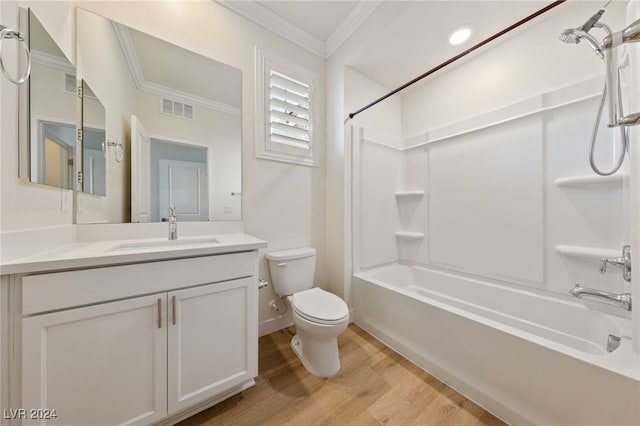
x: 623, y: 299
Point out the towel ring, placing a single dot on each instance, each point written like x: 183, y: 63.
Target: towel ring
x: 6, y: 33
x: 118, y: 148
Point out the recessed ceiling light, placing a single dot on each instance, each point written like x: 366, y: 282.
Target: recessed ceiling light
x: 460, y: 35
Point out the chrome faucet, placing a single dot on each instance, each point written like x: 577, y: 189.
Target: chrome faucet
x: 623, y: 300
x: 173, y: 223
x: 623, y: 262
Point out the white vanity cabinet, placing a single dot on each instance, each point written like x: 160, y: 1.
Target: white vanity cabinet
x: 140, y: 343
x: 103, y: 364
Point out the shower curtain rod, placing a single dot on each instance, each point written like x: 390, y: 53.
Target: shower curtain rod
x: 455, y: 58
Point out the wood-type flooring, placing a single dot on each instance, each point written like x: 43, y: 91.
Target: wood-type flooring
x: 375, y: 386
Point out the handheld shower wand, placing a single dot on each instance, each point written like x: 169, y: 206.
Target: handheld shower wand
x: 605, y: 50
x: 574, y: 35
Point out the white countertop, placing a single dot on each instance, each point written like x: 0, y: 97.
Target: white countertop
x: 118, y: 252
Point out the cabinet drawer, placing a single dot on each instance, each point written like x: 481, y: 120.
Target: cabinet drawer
x: 61, y: 290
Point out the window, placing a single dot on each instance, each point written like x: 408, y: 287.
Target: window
x: 286, y: 111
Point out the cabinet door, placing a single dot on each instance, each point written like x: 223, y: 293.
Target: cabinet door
x: 212, y: 340
x: 97, y: 365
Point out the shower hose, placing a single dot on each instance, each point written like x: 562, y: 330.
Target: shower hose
x: 594, y: 134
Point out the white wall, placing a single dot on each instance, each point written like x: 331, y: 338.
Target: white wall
x: 347, y: 91
x: 509, y: 70
x: 25, y: 205
x: 282, y: 203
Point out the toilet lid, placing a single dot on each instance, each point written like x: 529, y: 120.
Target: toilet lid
x: 318, y: 305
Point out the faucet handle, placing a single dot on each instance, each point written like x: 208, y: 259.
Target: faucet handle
x: 623, y: 262
x: 172, y: 210
x: 603, y: 265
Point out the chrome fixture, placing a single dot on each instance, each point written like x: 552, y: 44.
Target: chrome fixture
x: 612, y: 343
x: 574, y: 35
x: 623, y: 262
x: 7, y: 33
x: 119, y: 149
x: 604, y: 49
x: 262, y: 283
x: 173, y: 223
x: 623, y: 300
x: 630, y: 34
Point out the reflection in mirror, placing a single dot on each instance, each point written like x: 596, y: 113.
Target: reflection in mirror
x: 183, y: 118
x: 93, y: 143
x: 51, y: 145
x: 182, y: 180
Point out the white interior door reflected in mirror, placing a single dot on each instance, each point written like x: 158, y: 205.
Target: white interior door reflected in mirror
x: 183, y: 184
x: 140, y: 181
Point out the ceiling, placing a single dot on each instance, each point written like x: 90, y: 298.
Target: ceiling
x: 318, y: 18
x: 397, y: 40
x: 320, y: 26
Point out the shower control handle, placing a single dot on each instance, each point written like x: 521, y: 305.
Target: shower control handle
x: 623, y: 262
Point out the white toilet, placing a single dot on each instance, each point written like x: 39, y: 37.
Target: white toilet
x: 319, y: 316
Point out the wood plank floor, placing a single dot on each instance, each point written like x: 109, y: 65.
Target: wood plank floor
x: 374, y: 386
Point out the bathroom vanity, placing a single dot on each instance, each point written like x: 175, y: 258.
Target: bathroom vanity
x: 129, y: 331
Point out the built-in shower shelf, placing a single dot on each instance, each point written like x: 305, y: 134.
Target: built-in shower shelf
x: 401, y: 195
x: 587, y: 253
x: 594, y: 181
x: 406, y: 235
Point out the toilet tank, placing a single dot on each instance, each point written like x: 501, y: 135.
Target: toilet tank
x: 292, y: 270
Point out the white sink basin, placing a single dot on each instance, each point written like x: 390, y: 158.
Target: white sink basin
x: 183, y: 243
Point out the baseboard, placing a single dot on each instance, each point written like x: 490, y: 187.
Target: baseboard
x: 192, y: 411
x: 274, y: 324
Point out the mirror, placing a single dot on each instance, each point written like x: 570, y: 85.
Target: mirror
x: 94, y: 143
x: 178, y: 115
x: 48, y: 149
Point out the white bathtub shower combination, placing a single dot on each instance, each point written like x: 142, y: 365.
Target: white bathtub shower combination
x: 528, y: 358
x: 467, y: 239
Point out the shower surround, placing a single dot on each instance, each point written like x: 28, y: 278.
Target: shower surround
x: 466, y: 241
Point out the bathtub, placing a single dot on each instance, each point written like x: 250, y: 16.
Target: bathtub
x: 528, y: 358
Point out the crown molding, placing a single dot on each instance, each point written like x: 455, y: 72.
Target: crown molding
x: 124, y: 38
x: 276, y: 24
x: 52, y: 61
x: 280, y: 26
x: 130, y: 55
x: 351, y: 23
x: 188, y: 98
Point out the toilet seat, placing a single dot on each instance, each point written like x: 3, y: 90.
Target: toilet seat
x: 320, y: 306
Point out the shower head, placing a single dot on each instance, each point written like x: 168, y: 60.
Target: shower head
x: 574, y: 35
x: 570, y: 36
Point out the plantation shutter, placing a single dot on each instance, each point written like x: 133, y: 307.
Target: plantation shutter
x: 289, y: 112
x: 288, y: 107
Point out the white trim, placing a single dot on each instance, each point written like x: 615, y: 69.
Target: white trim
x: 129, y: 51
x: 262, y: 16
x: 52, y: 61
x: 188, y: 98
x: 351, y: 23
x: 264, y: 148
x: 276, y: 24
x: 272, y: 325
x: 124, y: 37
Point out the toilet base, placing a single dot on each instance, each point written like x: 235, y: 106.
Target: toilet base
x: 318, y: 356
